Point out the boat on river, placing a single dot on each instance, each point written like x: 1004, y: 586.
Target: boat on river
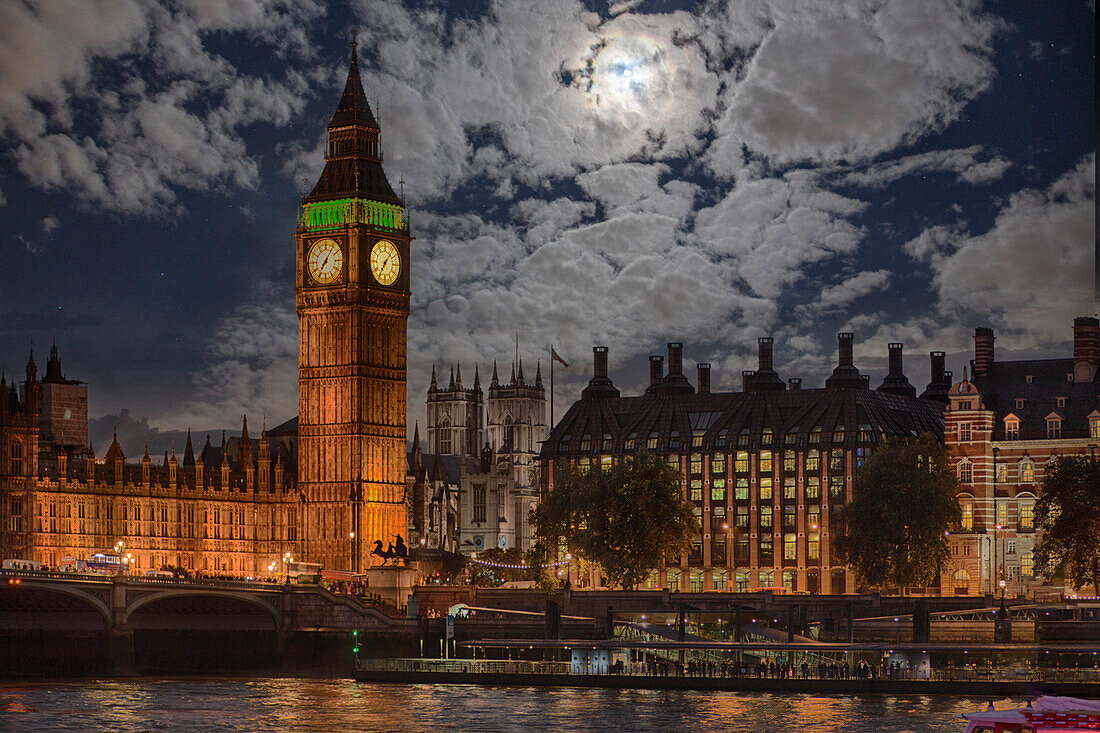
x: 1044, y: 715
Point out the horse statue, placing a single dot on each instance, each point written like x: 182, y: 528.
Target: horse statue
x: 386, y: 555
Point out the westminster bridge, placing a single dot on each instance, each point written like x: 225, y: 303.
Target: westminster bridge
x: 79, y: 624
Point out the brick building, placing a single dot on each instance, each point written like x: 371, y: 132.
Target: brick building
x: 1005, y: 421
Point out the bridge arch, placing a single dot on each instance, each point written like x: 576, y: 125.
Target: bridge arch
x: 86, y: 597
x: 185, y: 593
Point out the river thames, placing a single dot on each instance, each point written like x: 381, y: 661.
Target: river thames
x: 342, y: 706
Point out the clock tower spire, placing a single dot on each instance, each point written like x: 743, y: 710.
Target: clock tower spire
x: 352, y: 294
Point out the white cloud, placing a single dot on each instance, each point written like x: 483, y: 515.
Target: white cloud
x: 503, y: 74
x: 1028, y: 276
x: 964, y: 162
x: 1032, y: 272
x: 251, y: 369
x: 170, y: 117
x: 838, y: 296
x: 851, y: 80
x: 766, y: 230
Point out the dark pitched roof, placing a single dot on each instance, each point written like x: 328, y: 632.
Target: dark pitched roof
x: 353, y: 108
x: 1007, y: 381
x: 353, y: 164
x: 722, y: 418
x: 447, y: 468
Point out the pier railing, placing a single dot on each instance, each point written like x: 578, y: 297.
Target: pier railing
x: 641, y: 669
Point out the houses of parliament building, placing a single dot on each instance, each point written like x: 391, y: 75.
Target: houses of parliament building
x: 321, y: 487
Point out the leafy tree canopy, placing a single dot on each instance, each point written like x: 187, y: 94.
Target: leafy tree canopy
x: 495, y: 567
x: 1067, y: 514
x: 624, y: 518
x: 894, y: 532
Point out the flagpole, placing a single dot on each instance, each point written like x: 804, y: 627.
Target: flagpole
x: 551, y: 386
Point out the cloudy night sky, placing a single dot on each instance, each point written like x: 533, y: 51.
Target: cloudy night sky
x: 581, y: 173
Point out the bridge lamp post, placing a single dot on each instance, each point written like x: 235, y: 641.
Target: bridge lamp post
x: 287, y: 559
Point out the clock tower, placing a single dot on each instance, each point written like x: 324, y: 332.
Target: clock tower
x: 352, y: 294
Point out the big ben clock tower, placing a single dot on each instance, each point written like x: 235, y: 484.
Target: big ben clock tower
x: 352, y: 293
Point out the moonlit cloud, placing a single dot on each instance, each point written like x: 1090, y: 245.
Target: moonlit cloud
x: 171, y: 115
x: 625, y: 178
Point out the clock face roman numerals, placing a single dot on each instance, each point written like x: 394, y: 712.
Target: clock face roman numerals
x: 325, y: 261
x: 385, y: 262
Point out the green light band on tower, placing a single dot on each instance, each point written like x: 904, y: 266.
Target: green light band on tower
x: 322, y: 215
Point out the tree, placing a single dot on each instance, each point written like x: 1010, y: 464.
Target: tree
x: 904, y: 500
x: 495, y: 567
x: 1067, y: 515
x: 624, y: 518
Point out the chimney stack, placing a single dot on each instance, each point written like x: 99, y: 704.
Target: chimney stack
x: 845, y: 375
x: 656, y: 369
x: 1086, y: 348
x: 894, y: 351
x: 765, y: 353
x: 746, y: 377
x: 675, y: 358
x: 983, y: 350
x: 704, y: 378
x: 600, y: 385
x: 939, y: 363
x: 795, y: 383
x: 599, y: 362
x: 895, y: 382
x: 844, y: 347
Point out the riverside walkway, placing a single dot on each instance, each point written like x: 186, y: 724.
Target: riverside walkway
x: 638, y: 675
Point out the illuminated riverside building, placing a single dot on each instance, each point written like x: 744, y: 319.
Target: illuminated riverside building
x: 765, y: 470
x: 1003, y: 425
x: 322, y: 486
x: 230, y: 508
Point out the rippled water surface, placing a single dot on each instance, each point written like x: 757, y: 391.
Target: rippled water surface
x: 342, y: 706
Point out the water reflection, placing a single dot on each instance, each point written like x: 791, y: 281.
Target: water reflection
x: 342, y: 706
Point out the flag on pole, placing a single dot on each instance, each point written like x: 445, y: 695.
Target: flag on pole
x: 554, y: 355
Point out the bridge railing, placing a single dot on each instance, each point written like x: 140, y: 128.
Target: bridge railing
x: 136, y: 579
x: 480, y: 666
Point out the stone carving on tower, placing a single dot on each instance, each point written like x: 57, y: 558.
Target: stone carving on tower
x: 352, y: 292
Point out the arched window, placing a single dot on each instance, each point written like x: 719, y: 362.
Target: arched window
x: 1027, y: 472
x: 509, y: 432
x: 966, y: 471
x: 445, y: 443
x: 16, y: 456
x: 788, y: 580
x: 962, y: 583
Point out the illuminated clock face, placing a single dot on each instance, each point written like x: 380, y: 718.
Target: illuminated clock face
x: 326, y: 261
x: 385, y: 262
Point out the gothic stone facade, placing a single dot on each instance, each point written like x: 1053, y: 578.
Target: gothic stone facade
x: 765, y: 470
x: 497, y: 482
x: 332, y: 480
x: 231, y: 509
x: 1003, y: 425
